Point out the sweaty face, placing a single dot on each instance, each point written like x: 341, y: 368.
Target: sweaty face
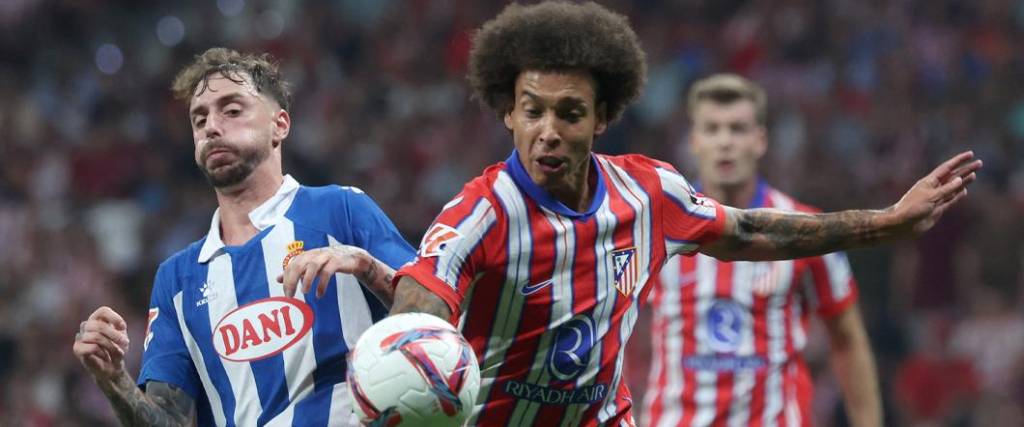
x: 233, y: 128
x: 727, y: 142
x: 554, y: 121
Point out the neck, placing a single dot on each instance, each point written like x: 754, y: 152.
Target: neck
x: 237, y: 201
x: 740, y: 195
x: 575, y: 192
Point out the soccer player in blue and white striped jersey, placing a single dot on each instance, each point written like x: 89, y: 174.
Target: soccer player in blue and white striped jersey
x: 225, y: 344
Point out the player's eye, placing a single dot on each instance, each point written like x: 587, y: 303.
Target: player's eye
x: 233, y: 112
x: 199, y: 122
x: 533, y: 113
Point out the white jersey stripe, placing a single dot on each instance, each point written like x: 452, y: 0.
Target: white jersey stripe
x: 240, y: 375
x: 354, y: 310
x: 472, y: 233
x: 671, y: 346
x: 604, y: 276
x: 634, y: 195
x: 299, y: 359
x: 707, y: 390
x: 197, y: 356
x: 744, y: 275
x: 509, y: 307
x: 525, y: 411
x: 839, y: 274
x: 676, y: 187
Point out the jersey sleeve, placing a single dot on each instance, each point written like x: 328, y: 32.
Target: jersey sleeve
x: 829, y: 284
x: 373, y: 230
x: 165, y: 357
x: 689, y: 219
x: 452, y: 251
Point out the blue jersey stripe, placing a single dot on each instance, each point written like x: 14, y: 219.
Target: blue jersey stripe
x: 250, y: 273
x: 328, y: 342
x: 315, y: 409
x: 202, y: 333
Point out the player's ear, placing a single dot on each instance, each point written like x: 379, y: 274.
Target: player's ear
x: 761, y: 146
x: 602, y: 119
x: 508, y: 119
x: 282, y: 125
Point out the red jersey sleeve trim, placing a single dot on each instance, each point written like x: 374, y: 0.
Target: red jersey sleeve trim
x: 828, y: 311
x: 435, y: 285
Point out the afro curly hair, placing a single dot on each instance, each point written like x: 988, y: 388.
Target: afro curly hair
x: 555, y: 36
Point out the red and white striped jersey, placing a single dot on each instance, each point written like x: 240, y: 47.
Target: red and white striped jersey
x: 548, y: 296
x: 727, y: 336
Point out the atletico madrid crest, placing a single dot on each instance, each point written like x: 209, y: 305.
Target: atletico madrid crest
x: 625, y: 270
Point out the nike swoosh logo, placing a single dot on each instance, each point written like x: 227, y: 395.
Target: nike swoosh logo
x: 529, y: 289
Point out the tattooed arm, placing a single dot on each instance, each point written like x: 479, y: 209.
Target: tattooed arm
x: 318, y: 265
x: 100, y: 344
x: 767, y: 234
x: 161, y: 405
x: 412, y: 297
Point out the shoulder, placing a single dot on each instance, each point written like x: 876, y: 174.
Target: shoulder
x: 782, y: 201
x: 177, y: 266
x: 635, y: 163
x: 329, y: 195
x: 483, y: 186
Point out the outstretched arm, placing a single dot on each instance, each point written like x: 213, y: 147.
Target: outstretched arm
x: 412, y: 297
x: 768, y: 234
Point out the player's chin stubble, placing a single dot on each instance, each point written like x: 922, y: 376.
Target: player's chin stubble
x: 234, y: 173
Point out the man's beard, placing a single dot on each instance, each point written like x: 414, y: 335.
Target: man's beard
x: 230, y: 174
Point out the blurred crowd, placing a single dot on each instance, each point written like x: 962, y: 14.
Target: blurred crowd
x: 98, y: 182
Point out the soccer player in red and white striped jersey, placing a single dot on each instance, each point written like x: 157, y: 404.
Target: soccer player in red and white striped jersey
x: 541, y: 261
x: 728, y: 336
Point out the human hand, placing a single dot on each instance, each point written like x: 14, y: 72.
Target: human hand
x: 322, y: 263
x: 101, y: 343
x: 932, y: 195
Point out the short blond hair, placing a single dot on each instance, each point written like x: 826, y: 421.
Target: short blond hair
x: 726, y: 89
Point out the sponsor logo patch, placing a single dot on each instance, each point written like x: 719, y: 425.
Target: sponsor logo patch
x: 528, y: 289
x: 553, y: 396
x: 153, y: 314
x: 724, y: 322
x: 206, y: 294
x: 261, y: 329
x: 438, y: 239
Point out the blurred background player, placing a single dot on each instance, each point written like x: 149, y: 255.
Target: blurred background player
x: 728, y: 337
x: 543, y: 258
x: 222, y: 346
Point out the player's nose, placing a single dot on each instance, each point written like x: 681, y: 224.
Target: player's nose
x: 212, y: 128
x: 549, y: 132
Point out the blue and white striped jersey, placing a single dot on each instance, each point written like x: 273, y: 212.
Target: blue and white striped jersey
x: 221, y: 329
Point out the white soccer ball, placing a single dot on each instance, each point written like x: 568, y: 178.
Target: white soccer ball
x: 413, y: 369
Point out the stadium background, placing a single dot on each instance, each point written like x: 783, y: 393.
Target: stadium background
x: 97, y: 182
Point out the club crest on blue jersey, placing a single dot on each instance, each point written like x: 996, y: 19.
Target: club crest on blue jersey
x: 294, y: 249
x: 625, y: 270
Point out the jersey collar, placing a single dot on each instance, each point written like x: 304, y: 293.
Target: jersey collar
x: 264, y: 216
x: 541, y: 196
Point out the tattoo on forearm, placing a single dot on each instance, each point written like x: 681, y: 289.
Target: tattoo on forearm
x: 796, y: 235
x: 161, y: 405
x: 378, y: 279
x: 412, y: 297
